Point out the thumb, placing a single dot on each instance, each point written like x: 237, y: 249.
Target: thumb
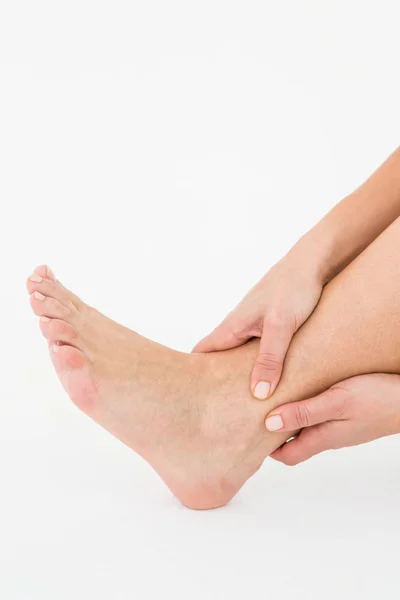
x: 223, y: 337
x: 328, y: 406
x: 267, y: 371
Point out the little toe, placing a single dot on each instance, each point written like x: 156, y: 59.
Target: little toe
x: 50, y: 273
x: 44, y: 306
x: 42, y: 271
x: 38, y: 275
x: 56, y: 330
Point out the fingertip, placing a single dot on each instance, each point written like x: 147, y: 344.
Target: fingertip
x: 197, y: 347
x: 277, y: 455
x: 301, y: 448
x: 204, y: 346
x: 219, y: 341
x: 265, y: 378
x: 274, y: 423
x: 261, y: 390
x: 287, y: 455
x: 280, y: 454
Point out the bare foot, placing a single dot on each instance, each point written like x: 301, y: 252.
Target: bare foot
x: 189, y: 415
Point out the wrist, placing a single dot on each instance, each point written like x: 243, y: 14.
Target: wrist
x: 313, y: 254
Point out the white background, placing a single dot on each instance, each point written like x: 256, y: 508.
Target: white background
x: 160, y: 156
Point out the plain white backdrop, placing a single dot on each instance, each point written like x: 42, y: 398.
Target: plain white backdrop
x: 161, y: 156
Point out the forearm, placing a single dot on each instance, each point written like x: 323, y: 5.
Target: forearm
x: 353, y: 223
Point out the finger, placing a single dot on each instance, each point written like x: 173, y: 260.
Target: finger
x: 308, y: 443
x: 227, y: 335
x: 275, y: 341
x: 328, y: 406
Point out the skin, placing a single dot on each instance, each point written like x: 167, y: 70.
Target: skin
x: 355, y: 411
x: 191, y: 416
x: 286, y: 296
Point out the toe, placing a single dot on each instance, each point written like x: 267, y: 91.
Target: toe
x: 44, y: 306
x: 50, y: 289
x: 43, y: 271
x: 38, y: 275
x: 40, y: 281
x: 68, y: 357
x: 74, y: 371
x: 56, y: 330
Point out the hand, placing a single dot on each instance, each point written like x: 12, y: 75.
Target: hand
x: 273, y: 310
x: 352, y: 412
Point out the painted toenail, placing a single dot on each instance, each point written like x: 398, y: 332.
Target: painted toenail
x: 44, y: 319
x: 262, y: 389
x: 36, y: 278
x: 39, y: 296
x: 50, y: 273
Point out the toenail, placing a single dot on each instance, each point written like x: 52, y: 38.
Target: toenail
x: 45, y: 319
x: 39, y: 296
x: 50, y: 273
x: 35, y: 277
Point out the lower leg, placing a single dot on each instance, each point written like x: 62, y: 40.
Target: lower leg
x: 355, y: 328
x: 191, y: 416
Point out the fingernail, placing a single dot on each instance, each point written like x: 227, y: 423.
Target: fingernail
x: 36, y: 278
x: 45, y: 319
x: 39, y: 296
x: 274, y: 423
x: 261, y: 390
x: 50, y: 273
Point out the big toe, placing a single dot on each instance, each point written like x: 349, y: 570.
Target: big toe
x: 75, y: 372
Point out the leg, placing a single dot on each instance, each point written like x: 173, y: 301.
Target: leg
x: 191, y: 416
x: 355, y: 328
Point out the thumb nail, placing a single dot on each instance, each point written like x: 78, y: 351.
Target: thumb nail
x: 274, y: 423
x: 261, y: 390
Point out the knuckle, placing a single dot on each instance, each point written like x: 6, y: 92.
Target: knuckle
x: 268, y: 361
x: 339, y: 410
x: 279, y: 319
x: 302, y: 415
x: 276, y: 318
x: 342, y: 401
x: 232, y: 328
x: 256, y: 328
x: 237, y: 334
